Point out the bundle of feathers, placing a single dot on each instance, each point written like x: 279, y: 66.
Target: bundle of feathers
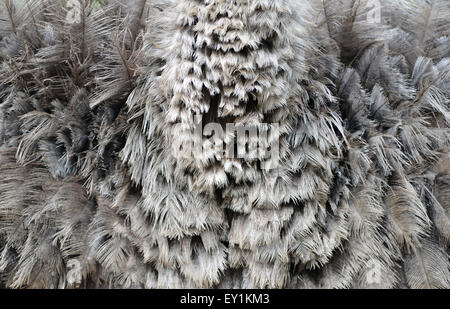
x: 94, y: 94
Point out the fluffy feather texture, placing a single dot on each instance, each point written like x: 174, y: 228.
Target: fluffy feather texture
x: 93, y: 195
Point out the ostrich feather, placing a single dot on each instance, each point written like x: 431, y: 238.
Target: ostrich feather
x: 428, y: 267
x: 112, y: 176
